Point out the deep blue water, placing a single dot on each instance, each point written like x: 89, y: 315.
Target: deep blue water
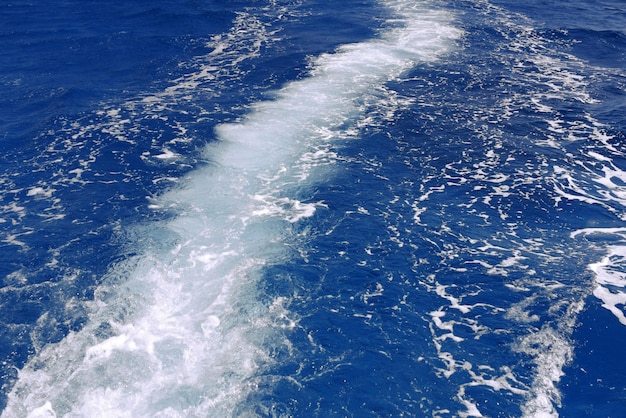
x: 313, y: 209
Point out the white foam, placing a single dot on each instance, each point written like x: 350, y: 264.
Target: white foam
x: 552, y: 351
x: 544, y: 76
x: 610, y: 271
x: 40, y: 191
x: 598, y: 180
x: 550, y: 76
x: 180, y: 330
x: 166, y: 155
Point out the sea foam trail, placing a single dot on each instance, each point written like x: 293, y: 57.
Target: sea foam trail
x: 554, y: 75
x: 181, y: 329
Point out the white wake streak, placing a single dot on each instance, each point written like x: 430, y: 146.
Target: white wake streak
x: 180, y: 330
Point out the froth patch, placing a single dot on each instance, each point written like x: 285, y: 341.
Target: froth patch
x: 289, y: 209
x: 609, y: 275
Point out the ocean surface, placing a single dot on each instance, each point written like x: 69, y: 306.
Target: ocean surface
x: 308, y: 208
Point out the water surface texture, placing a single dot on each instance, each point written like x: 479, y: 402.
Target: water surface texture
x: 394, y: 208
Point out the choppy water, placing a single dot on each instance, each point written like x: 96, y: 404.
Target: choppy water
x: 293, y: 208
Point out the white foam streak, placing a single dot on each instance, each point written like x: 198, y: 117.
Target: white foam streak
x: 553, y: 351
x: 560, y: 76
x: 609, y: 272
x: 602, y: 169
x: 180, y: 330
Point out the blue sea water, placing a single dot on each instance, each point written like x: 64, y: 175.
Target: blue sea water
x: 313, y: 209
